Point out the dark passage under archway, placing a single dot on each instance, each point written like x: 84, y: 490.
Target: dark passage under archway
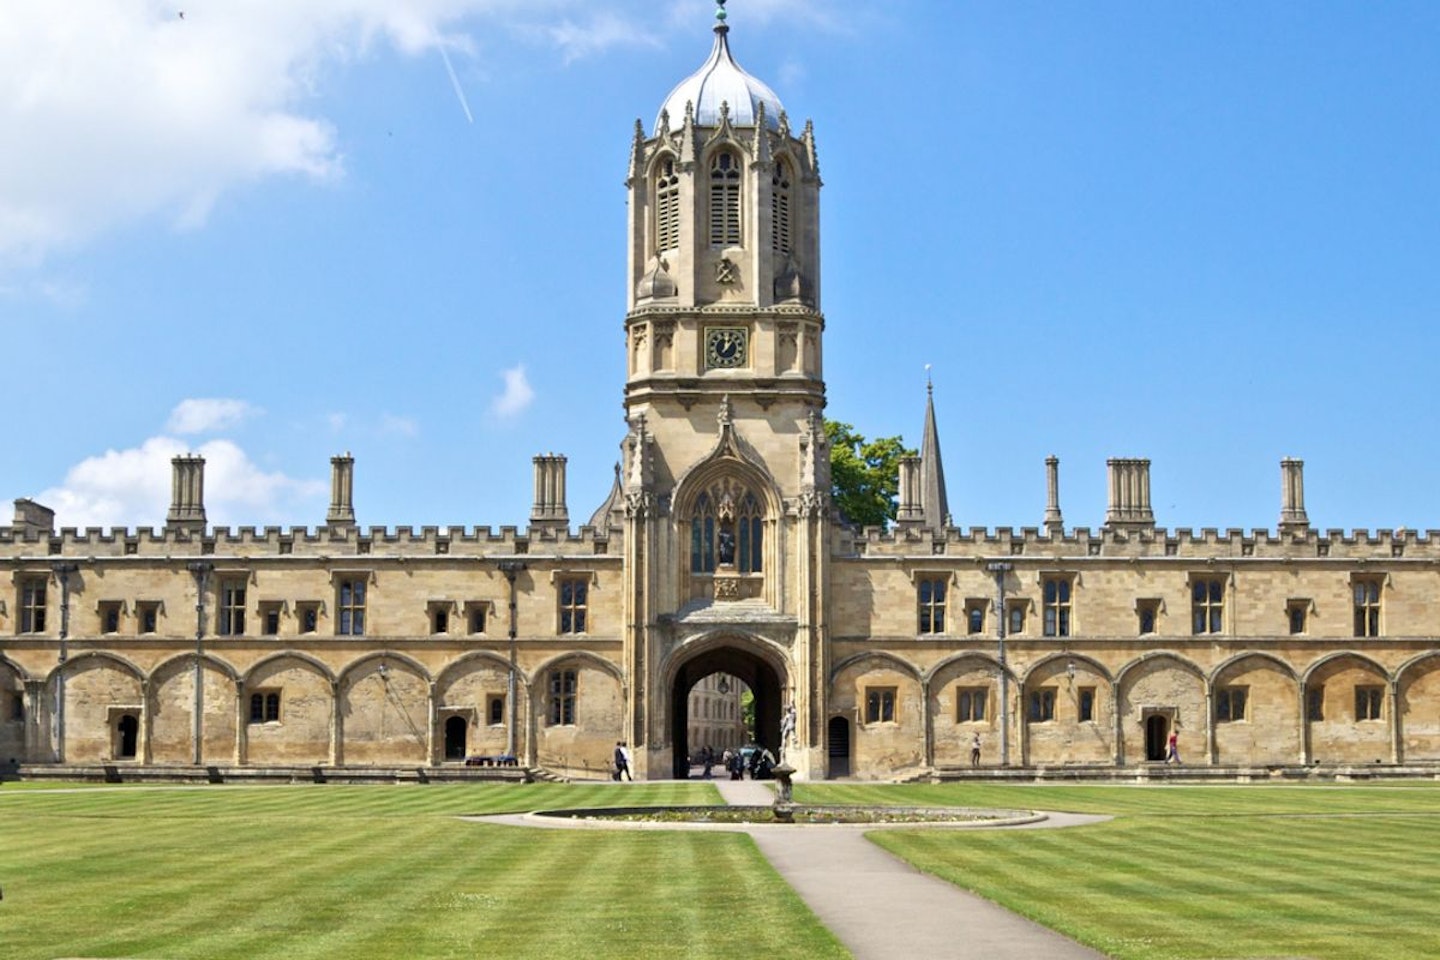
x: 455, y: 730
x: 754, y: 672
x: 129, y: 730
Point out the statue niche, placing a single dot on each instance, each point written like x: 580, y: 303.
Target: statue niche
x: 727, y: 540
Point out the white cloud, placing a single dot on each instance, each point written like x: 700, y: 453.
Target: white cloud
x: 131, y: 488
x: 126, y: 110
x: 208, y: 415
x: 398, y: 426
x: 516, y: 395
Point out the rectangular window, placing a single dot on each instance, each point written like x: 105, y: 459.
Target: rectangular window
x: 32, y: 605
x: 975, y: 616
x: 562, y: 698
x: 147, y: 616
x: 110, y: 616
x: 475, y: 616
x: 574, y: 600
x: 1230, y: 704
x: 495, y: 709
x: 1207, y: 604
x: 1016, y: 615
x: 439, y: 616
x: 1368, y: 701
x: 1296, y: 612
x: 17, y: 707
x: 1087, y: 704
x: 970, y: 704
x: 231, y: 615
x: 1042, y: 705
x: 308, y: 616
x: 270, y: 618
x: 350, y: 605
x: 880, y: 705
x: 1315, y: 703
x: 1056, y: 592
x: 930, y: 593
x: 1367, y: 606
x: 265, y: 706
x: 1148, y: 612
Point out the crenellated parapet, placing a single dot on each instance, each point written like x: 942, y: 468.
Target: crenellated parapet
x: 1208, y: 543
x: 311, y: 542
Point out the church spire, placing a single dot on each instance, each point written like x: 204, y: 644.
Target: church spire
x: 932, y: 471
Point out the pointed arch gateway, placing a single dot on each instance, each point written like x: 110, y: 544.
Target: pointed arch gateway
x: 741, y: 657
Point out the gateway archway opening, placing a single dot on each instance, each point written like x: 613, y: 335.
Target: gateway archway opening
x: 703, y: 674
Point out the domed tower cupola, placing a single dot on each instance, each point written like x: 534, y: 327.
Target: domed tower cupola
x: 721, y: 82
x: 723, y: 274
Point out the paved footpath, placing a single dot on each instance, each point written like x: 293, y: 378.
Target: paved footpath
x: 882, y: 908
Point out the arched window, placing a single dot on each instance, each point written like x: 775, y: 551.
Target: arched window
x: 780, y: 209
x: 727, y: 529
x: 724, y: 200
x: 667, y: 206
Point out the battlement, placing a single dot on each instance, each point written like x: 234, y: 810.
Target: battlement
x: 315, y: 542
x: 1208, y: 543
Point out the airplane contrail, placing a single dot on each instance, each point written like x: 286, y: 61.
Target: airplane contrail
x: 455, y: 82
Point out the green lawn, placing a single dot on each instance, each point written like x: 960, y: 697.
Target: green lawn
x: 377, y: 872
x: 1335, y: 871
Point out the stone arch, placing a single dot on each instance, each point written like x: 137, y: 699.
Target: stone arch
x: 1264, y: 690
x: 886, y: 740
x: 1337, y: 729
x: 170, y: 718
x: 1066, y: 712
x: 384, y: 710
x: 730, y: 493
x: 304, y: 731
x: 469, y: 688
x: 14, y: 712
x: 97, y: 684
x: 968, y: 680
x: 577, y: 713
x: 758, y: 663
x: 1160, y: 683
x: 1417, y: 690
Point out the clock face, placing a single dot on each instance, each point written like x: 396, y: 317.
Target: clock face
x: 725, y: 346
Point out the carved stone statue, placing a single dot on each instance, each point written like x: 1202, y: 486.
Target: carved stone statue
x: 727, y: 547
x: 787, y: 731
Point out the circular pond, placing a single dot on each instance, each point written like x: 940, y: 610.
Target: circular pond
x: 801, y: 814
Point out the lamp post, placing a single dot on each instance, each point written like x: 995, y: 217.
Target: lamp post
x: 201, y: 572
x: 1000, y: 569
x: 62, y: 571
x: 511, y: 569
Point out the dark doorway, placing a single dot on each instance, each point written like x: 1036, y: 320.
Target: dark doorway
x: 837, y: 746
x: 455, y: 730
x: 759, y: 676
x: 129, y: 730
x: 1157, y: 732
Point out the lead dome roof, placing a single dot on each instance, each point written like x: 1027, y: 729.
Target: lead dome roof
x: 721, y: 80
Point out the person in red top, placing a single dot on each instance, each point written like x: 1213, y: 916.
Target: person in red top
x: 1172, y: 751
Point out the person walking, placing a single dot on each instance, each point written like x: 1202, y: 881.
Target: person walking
x: 622, y: 762
x: 975, y: 750
x: 1172, y: 747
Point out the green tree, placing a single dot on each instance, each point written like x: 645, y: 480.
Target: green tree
x: 864, y: 474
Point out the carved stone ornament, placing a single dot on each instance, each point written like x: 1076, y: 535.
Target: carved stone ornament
x: 726, y: 271
x: 727, y: 588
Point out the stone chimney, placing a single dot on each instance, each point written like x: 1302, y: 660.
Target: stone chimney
x: 32, y: 520
x: 187, y: 495
x: 1054, y: 521
x: 549, y: 509
x: 1293, y: 520
x: 1129, y: 496
x: 342, y: 492
x: 910, y: 510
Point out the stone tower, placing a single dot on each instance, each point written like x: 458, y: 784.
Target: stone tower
x: 726, y: 469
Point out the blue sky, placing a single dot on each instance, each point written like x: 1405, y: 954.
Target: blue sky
x: 1206, y: 234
